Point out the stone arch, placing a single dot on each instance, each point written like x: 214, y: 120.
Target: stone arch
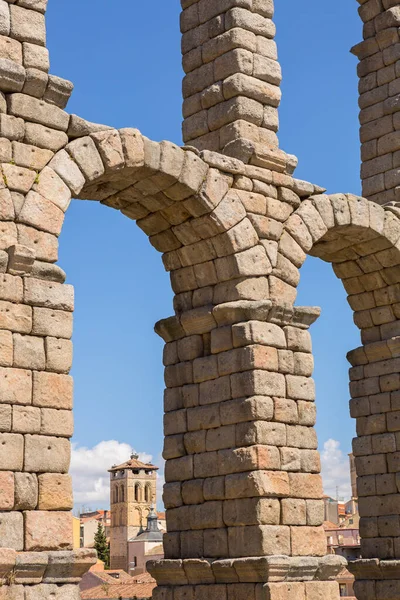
x: 362, y: 242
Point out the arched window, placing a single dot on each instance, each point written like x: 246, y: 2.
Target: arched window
x: 116, y: 494
x: 147, y: 493
x: 122, y: 494
x: 137, y: 493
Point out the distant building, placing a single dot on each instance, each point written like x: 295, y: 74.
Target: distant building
x: 344, y: 541
x: 116, y: 584
x: 346, y: 585
x: 145, y: 546
x: 132, y: 493
x: 331, y: 510
x: 76, y: 532
x: 89, y: 522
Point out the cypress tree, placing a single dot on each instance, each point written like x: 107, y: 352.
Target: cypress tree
x: 101, y: 545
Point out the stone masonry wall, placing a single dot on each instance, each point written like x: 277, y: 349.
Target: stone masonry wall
x: 243, y: 487
x: 379, y: 90
x: 231, y: 89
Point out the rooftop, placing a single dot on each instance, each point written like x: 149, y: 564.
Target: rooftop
x: 119, y: 590
x: 133, y: 463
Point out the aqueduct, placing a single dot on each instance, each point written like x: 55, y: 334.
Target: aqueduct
x: 243, y: 488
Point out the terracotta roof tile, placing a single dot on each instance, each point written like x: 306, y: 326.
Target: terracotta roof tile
x: 122, y: 590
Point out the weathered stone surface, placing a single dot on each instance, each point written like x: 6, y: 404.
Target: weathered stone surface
x: 49, y: 294
x: 29, y: 352
x: 41, y: 213
x: 49, y: 185
x: 43, y: 136
x: 46, y: 530
x: 26, y: 491
x: 46, y: 454
x: 52, y: 390
x: 12, y: 530
x: 37, y: 111
x: 55, y: 492
x: 6, y: 490
x: 52, y: 592
x: 54, y: 323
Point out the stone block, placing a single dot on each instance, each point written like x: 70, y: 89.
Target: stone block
x: 11, y: 451
x: 87, y: 157
x: 258, y: 382
x: 12, y: 75
x: 215, y: 543
x: 54, y: 323
x: 42, y: 214
x: 6, y: 490
x: 12, y: 592
x: 308, y: 541
x: 52, y: 592
x: 11, y: 127
x: 12, y: 531
x: 37, y: 111
x: 28, y: 352
x: 46, y: 530
x: 6, y: 347
x: 49, y: 185
x: 30, y: 567
x: 251, y: 511
x: 35, y: 57
x: 20, y: 261
x: 300, y: 388
x: 15, y: 317
x: 64, y: 165
x: 322, y: 590
x: 25, y: 419
x: 58, y: 355
x: 43, y: 136
x: 55, y: 492
x: 15, y: 386
x: 11, y: 49
x: 11, y: 288
x: 46, y: 454
x: 58, y: 91
x: 56, y: 422
x: 283, y: 591
x: 247, y: 409
x: 293, y: 511
x: 5, y: 418
x: 26, y: 491
x: 51, y: 390
x: 44, y: 244
x: 259, y: 540
x: 35, y: 83
x: 315, y: 512
x: 49, y: 294
x: 305, y: 485
x: 257, y: 332
x: 257, y: 484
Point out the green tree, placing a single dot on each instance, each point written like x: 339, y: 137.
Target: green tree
x: 101, y: 545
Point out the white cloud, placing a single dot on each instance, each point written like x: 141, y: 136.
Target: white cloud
x: 89, y: 470
x: 335, y: 470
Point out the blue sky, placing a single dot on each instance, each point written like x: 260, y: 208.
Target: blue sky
x: 125, y: 65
